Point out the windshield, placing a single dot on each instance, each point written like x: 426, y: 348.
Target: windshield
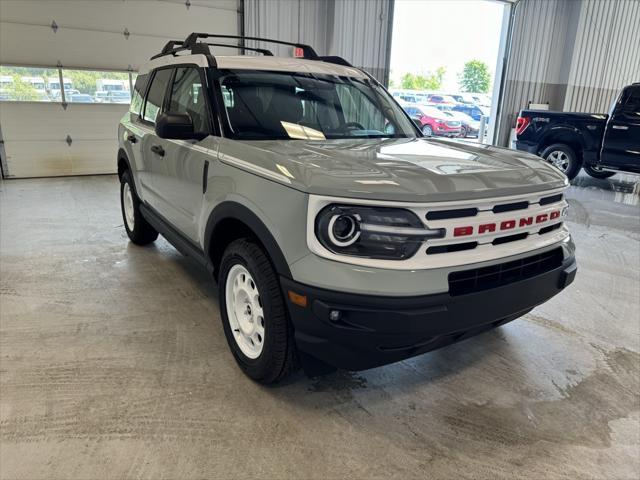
x: 262, y: 105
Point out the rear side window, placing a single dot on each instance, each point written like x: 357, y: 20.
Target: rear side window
x: 138, y: 94
x: 155, y: 97
x: 187, y: 97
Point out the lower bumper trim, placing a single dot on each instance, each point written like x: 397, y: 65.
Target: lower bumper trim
x: 370, y: 331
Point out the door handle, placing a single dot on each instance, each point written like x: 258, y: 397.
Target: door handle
x: 132, y: 138
x: 158, y: 150
x: 620, y: 127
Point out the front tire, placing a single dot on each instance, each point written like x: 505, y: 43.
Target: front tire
x: 427, y: 131
x: 254, y: 315
x: 597, y: 173
x: 138, y: 229
x: 564, y: 158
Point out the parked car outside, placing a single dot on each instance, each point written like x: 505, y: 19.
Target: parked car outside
x: 434, y: 122
x: 101, y: 96
x: 482, y: 99
x: 80, y: 98
x: 462, y: 98
x: 437, y: 98
x: 118, y: 97
x: 468, y: 126
x: 474, y: 111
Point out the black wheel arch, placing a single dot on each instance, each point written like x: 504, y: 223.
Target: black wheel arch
x: 231, y: 220
x: 123, y: 162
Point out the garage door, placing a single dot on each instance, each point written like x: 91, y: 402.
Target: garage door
x: 88, y: 50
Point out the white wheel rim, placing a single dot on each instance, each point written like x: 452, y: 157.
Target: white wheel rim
x: 127, y: 201
x: 427, y: 131
x: 244, y: 311
x: 559, y: 159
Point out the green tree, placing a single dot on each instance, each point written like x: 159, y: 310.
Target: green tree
x: 475, y: 77
x: 430, y: 81
x: 22, y: 90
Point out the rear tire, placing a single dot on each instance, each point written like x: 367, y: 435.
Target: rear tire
x: 597, y: 173
x: 563, y: 158
x: 254, y: 315
x: 138, y: 229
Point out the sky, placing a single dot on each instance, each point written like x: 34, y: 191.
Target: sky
x: 428, y: 34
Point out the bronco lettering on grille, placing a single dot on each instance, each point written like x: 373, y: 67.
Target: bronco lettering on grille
x: 505, y: 224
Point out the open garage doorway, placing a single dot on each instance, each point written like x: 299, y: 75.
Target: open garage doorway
x: 446, y: 64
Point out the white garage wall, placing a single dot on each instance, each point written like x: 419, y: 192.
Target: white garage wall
x: 90, y: 35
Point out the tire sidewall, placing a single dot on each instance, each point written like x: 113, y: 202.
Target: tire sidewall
x: 255, y: 367
x: 427, y: 130
x: 126, y: 179
x: 574, y: 163
x: 600, y: 175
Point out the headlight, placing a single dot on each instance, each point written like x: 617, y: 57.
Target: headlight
x: 372, y: 232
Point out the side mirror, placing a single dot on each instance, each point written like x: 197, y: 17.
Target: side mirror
x: 176, y: 126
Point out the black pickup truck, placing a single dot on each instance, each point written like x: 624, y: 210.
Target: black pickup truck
x: 602, y: 144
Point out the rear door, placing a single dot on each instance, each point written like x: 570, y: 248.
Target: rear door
x: 179, y: 175
x: 621, y: 144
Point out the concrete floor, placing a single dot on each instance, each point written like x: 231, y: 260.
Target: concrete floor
x: 113, y: 364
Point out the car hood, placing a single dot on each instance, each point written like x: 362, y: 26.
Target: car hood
x: 407, y: 169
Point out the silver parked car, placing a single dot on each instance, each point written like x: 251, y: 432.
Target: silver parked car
x: 337, y: 234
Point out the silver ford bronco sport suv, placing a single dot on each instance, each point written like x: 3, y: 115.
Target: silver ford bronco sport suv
x: 338, y: 236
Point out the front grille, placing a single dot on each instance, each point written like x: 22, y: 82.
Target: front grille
x: 485, y: 278
x: 453, y: 124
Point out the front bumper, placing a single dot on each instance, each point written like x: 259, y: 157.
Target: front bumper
x: 375, y: 330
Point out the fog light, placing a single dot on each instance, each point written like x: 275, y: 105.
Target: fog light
x: 335, y: 315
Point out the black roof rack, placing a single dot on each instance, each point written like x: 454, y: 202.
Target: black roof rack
x: 174, y: 46
x: 308, y: 52
x: 192, y: 44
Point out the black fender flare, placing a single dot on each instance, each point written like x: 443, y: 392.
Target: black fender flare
x: 122, y: 155
x: 563, y: 134
x: 236, y: 211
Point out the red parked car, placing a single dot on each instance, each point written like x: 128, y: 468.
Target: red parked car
x: 437, y: 98
x: 433, y: 121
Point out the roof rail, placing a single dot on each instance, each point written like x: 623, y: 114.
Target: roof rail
x: 308, y: 52
x: 192, y: 44
x: 174, y: 46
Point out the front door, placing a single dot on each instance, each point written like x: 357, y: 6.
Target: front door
x: 621, y: 144
x: 178, y: 177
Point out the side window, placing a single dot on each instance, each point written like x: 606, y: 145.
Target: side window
x: 633, y: 100
x: 187, y: 97
x: 155, y: 97
x: 138, y: 94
